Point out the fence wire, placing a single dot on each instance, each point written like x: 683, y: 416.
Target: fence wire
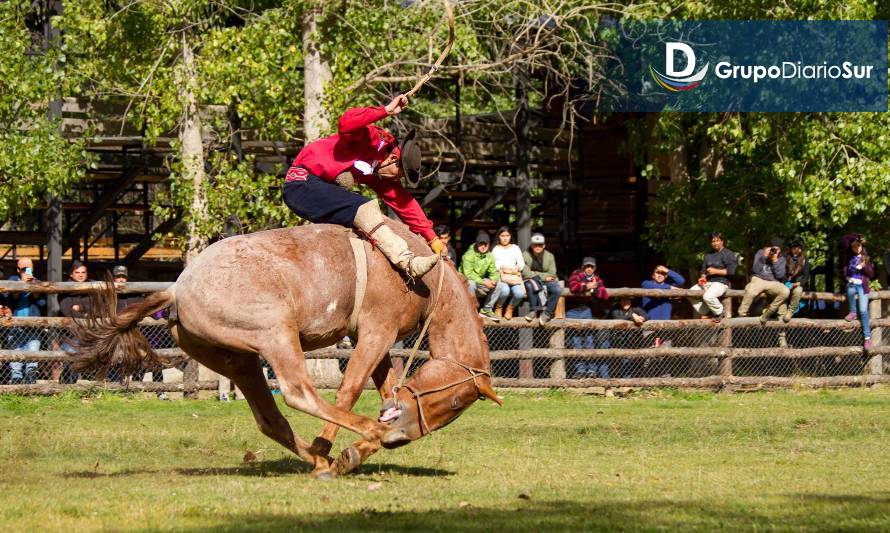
x: 553, y: 352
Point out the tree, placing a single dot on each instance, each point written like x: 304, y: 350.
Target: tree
x: 35, y: 160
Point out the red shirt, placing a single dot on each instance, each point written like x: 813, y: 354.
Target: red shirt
x: 358, y: 139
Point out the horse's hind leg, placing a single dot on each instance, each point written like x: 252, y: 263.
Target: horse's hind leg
x: 283, y: 352
x: 252, y: 382
x: 247, y: 373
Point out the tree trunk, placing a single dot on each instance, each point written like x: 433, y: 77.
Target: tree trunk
x: 192, y: 150
x: 316, y: 75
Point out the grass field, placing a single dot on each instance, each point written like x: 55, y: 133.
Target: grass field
x: 549, y: 460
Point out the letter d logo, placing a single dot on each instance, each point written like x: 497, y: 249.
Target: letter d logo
x: 670, y: 52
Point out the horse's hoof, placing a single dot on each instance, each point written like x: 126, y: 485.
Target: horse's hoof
x: 323, y: 475
x: 349, y: 460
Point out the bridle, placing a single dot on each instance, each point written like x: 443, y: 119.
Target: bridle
x: 417, y: 395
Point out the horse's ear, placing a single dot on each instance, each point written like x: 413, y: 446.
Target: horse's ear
x: 486, y: 391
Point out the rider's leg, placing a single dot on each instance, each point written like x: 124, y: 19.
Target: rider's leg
x: 370, y: 220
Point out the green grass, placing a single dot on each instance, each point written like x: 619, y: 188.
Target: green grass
x: 548, y: 460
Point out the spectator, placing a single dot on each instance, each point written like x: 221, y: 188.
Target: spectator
x: 713, y: 278
x: 24, y: 304
x: 858, y: 270
x: 624, y: 310
x: 477, y: 265
x: 443, y: 231
x: 541, y: 284
x: 798, y: 275
x: 662, y: 278
x: 509, y: 262
x: 71, y: 306
x: 121, y: 276
x: 767, y: 276
x: 585, y: 283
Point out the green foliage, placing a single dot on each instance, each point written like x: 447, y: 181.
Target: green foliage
x: 35, y: 160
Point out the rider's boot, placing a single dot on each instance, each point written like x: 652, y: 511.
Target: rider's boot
x: 370, y: 220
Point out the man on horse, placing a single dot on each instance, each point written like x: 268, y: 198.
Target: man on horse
x: 317, y: 184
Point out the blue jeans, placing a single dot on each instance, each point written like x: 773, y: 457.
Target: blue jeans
x: 493, y: 296
x: 587, y: 367
x: 517, y: 291
x: 552, y: 296
x: 30, y: 367
x: 856, y: 296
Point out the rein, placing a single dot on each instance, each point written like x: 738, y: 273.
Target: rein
x: 426, y: 324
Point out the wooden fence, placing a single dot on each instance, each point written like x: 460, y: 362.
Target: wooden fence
x: 538, y: 356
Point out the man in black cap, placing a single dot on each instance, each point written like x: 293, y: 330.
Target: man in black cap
x: 767, y: 276
x: 798, y: 275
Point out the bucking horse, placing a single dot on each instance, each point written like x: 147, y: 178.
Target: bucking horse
x: 279, y: 293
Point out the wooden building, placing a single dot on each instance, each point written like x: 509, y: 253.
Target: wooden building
x: 580, y: 190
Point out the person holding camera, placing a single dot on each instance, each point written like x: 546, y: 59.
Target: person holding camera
x: 798, y: 267
x: 24, y: 304
x: 767, y: 276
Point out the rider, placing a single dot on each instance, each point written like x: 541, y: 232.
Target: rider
x: 317, y: 184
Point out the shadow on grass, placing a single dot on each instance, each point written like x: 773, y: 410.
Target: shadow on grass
x: 278, y: 467
x: 781, y: 512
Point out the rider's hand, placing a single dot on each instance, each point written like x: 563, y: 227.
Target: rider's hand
x: 398, y: 104
x: 437, y: 245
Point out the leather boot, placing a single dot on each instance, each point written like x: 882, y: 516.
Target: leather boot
x: 508, y: 314
x: 394, y: 248
x: 499, y: 311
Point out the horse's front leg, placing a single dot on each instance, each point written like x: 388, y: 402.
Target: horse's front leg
x: 385, y: 379
x: 371, y: 353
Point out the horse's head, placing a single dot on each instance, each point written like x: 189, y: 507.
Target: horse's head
x: 457, y: 375
x: 437, y: 393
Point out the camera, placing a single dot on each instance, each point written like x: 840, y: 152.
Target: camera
x: 773, y: 250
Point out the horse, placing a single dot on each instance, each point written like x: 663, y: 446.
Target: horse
x: 278, y: 293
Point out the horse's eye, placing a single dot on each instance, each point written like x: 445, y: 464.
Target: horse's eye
x: 456, y: 404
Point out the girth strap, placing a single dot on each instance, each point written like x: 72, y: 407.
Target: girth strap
x: 361, y: 280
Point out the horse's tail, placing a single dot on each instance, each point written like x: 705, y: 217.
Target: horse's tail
x: 106, y: 339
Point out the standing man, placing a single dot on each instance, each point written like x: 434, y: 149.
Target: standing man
x: 767, y: 276
x: 541, y: 283
x: 24, y: 304
x: 713, y: 279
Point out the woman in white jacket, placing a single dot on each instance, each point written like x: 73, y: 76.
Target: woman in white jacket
x: 509, y: 262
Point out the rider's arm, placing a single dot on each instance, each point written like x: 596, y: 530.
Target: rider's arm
x: 357, y: 118
x: 395, y: 196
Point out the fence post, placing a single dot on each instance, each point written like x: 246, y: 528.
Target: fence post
x: 526, y: 341
x: 875, y: 362
x: 725, y: 368
x: 398, y: 363
x: 190, y: 380
x: 558, y: 366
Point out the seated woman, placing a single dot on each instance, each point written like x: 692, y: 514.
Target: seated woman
x: 317, y: 184
x: 509, y: 262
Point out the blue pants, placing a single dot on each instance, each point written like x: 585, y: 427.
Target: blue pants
x: 858, y: 300
x: 493, y: 295
x: 589, y: 368
x: 30, y: 367
x: 319, y: 201
x: 553, y: 293
x: 518, y: 292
